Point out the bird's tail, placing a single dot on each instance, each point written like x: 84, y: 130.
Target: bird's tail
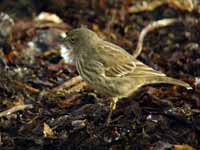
x: 168, y: 80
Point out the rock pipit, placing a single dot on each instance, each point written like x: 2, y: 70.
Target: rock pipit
x: 109, y: 69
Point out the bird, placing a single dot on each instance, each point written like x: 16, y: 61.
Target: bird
x: 111, y: 70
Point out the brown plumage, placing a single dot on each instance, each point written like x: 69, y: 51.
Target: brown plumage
x: 109, y: 69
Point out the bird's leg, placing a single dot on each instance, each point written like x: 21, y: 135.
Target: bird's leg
x: 112, y: 107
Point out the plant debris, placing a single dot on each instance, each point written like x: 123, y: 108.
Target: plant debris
x: 44, y: 104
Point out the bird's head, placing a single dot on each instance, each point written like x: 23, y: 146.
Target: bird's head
x: 81, y: 39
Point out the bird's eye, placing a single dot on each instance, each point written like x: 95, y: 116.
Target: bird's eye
x: 72, y: 40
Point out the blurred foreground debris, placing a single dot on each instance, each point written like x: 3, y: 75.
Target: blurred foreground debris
x: 6, y: 24
x: 15, y: 109
x: 47, y: 131
x: 150, y: 5
x: 49, y: 17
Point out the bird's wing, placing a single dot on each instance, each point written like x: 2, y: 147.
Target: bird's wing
x: 143, y: 70
x: 120, y: 69
x: 118, y: 63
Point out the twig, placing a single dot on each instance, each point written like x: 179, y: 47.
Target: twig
x: 15, y: 109
x: 77, y: 87
x: 154, y: 25
x: 73, y: 85
x: 73, y: 99
x: 27, y: 87
x: 68, y: 84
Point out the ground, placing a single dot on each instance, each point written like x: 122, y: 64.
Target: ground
x: 31, y: 70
